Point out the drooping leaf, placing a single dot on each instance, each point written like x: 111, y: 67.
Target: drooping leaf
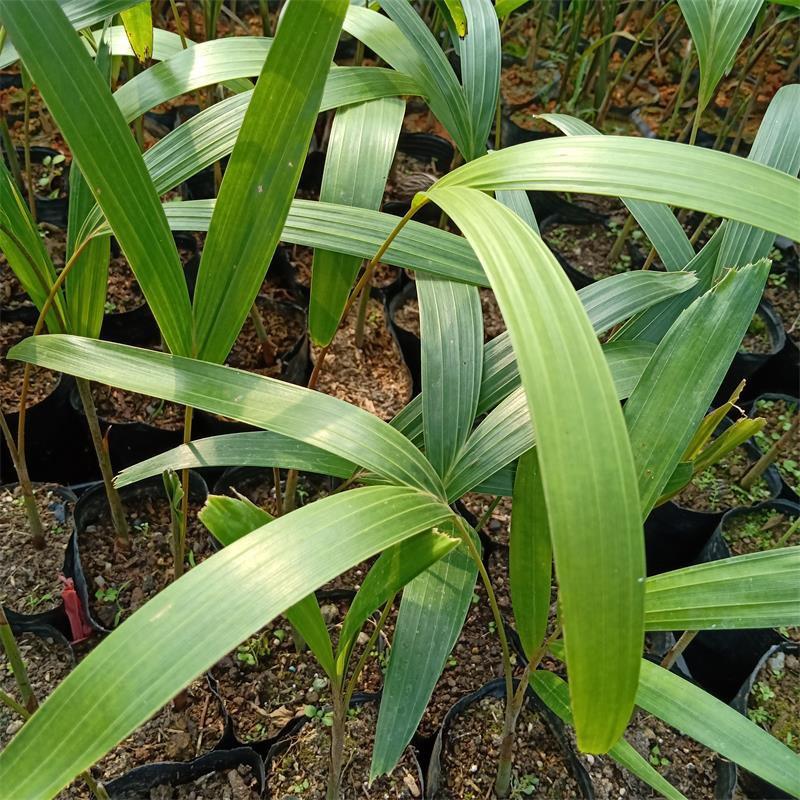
x: 308, y: 416
x: 643, y: 169
x: 555, y: 693
x: 257, y: 449
x: 432, y: 613
x: 757, y: 590
x: 231, y: 518
x: 711, y: 722
x: 228, y: 597
x: 587, y: 469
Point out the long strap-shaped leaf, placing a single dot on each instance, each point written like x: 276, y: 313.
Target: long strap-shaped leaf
x: 776, y: 145
x: 256, y: 449
x: 107, y: 155
x: 263, y: 173
x: 158, y: 650
x: 451, y: 329
x: 684, y: 374
x: 81, y: 14
x: 643, y: 169
x: 716, y: 725
x: 432, y: 613
x: 555, y: 694
x: 658, y: 222
x: 211, y: 134
x: 360, y: 152
x: 718, y: 28
x: 506, y: 433
x: 606, y: 303
x: 480, y: 69
x: 305, y: 415
x: 25, y: 252
x: 360, y: 232
x: 758, y: 590
x: 587, y: 467
x: 405, y: 42
x: 203, y: 64
x: 530, y: 556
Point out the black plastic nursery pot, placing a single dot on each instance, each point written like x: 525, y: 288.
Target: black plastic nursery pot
x: 747, y: 366
x: 54, y: 622
x: 720, y: 660
x: 437, y: 777
x: 50, y: 210
x: 92, y: 508
x: 675, y: 536
x: 578, y: 277
x: 53, y: 441
x: 128, y: 442
x: 791, y: 487
x: 137, y: 326
x: 746, y: 700
x: 408, y: 341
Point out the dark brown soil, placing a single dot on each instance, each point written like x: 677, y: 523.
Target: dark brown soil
x: 774, y: 701
x: 29, y: 578
x: 499, y: 523
x: 50, y: 182
x: 124, y: 293
x: 12, y: 295
x: 284, y: 324
x: 118, y: 406
x: 303, y: 769
x: 408, y: 176
x: 374, y: 377
x: 171, y: 735
x: 120, y: 582
x: 588, y: 248
x: 758, y: 338
x: 266, y: 682
x: 42, y: 381
x: 758, y: 531
x: 783, y: 291
x: 686, y: 764
x: 469, y: 757
x: 407, y: 316
x: 779, y: 415
x: 717, y: 488
x: 47, y: 662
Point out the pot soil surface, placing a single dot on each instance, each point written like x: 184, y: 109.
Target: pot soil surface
x: 373, y: 377
x: 774, y: 701
x: 302, y: 770
x: 717, y: 488
x: 588, y: 248
x: 757, y: 339
x: 783, y: 292
x: 687, y: 765
x: 42, y: 381
x: 119, y: 582
x: 469, y: 757
x: 29, y: 578
x: 779, y: 414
